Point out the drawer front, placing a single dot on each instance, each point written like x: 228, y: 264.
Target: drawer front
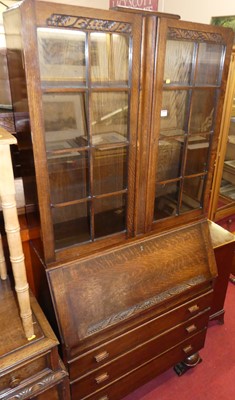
x: 140, y: 355
x: 139, y: 376
x: 52, y: 394
x: 60, y: 391
x: 227, y: 223
x: 14, y: 378
x: 103, y: 354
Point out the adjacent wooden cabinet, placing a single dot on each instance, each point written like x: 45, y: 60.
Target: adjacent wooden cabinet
x: 222, y: 205
x: 29, y: 369
x: 117, y: 115
x: 222, y: 199
x: 224, y: 246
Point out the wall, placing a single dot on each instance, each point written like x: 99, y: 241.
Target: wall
x: 97, y: 3
x: 189, y: 10
x: 199, y: 10
x: 104, y: 4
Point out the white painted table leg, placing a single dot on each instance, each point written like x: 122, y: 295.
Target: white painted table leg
x: 12, y: 228
x: 3, y: 268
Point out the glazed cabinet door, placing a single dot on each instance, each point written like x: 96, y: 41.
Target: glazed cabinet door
x: 87, y: 87
x: 187, y: 119
x: 227, y: 187
x: 222, y: 203
x: 83, y: 97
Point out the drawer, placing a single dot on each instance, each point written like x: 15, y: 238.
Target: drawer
x: 141, y: 354
x: 14, y: 378
x: 52, y: 394
x: 227, y: 223
x: 112, y: 349
x: 140, y: 375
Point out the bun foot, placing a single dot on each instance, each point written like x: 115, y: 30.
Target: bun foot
x: 188, y: 363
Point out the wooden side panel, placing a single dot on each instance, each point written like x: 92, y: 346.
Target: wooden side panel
x: 224, y: 256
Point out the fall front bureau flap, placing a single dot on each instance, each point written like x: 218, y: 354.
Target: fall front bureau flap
x: 93, y: 294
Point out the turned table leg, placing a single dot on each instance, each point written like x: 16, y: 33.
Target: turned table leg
x: 12, y: 228
x: 3, y: 268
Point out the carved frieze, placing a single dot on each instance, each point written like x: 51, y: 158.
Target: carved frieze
x: 35, y: 388
x: 177, y: 33
x: 112, y: 287
x: 89, y: 24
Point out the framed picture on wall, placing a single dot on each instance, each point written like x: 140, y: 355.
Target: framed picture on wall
x: 227, y: 21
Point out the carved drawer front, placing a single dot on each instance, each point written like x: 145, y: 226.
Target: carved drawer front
x: 16, y: 377
x: 105, y: 353
x: 137, y: 376
x: 53, y: 393
x: 142, y: 354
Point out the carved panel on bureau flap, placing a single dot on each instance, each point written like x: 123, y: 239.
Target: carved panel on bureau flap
x: 107, y: 288
x: 142, y: 306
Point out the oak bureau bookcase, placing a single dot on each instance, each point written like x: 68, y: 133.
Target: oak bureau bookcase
x: 117, y: 115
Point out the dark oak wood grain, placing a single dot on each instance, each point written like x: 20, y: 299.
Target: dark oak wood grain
x: 133, y: 278
x: 125, y: 246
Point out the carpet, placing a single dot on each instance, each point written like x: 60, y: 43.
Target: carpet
x: 213, y: 378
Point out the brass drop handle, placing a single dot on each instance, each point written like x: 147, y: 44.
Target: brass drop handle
x: 14, y: 382
x: 193, y: 308
x: 101, y: 378
x: 104, y: 398
x: 101, y: 356
x: 191, y: 328
x: 188, y: 349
